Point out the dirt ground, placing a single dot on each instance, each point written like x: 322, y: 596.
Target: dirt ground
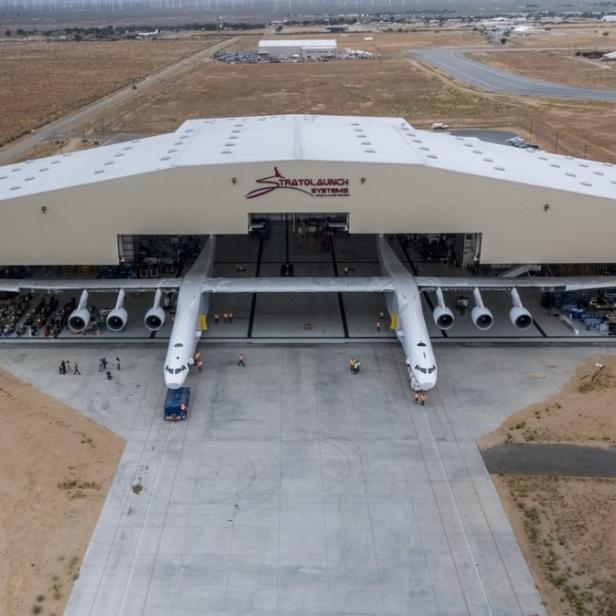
x: 41, y: 81
x: 583, y: 413
x: 565, y: 526
x: 569, y: 36
x: 393, y: 85
x: 557, y: 66
x: 56, y: 467
x: 566, y: 529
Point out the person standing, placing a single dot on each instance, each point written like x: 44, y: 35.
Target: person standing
x: 117, y: 363
x: 423, y: 398
x: 109, y: 375
x: 76, y: 369
x: 104, y: 363
x: 225, y: 317
x: 241, y: 360
x: 68, y: 366
x: 230, y: 317
x: 416, y: 397
x: 216, y: 317
x: 378, y: 326
x: 197, y: 360
x: 62, y: 367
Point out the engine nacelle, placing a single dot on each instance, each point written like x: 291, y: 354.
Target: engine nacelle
x: 443, y: 317
x: 118, y: 317
x: 155, y: 316
x: 80, y: 317
x: 154, y: 319
x: 481, y: 316
x: 518, y: 315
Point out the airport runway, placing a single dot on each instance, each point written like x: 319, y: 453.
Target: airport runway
x: 455, y: 63
x: 74, y: 120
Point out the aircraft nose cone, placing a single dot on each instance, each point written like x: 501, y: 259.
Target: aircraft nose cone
x: 173, y: 383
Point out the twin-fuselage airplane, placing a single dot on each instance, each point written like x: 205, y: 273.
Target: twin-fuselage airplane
x: 401, y: 288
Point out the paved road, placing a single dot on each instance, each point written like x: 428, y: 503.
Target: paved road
x: 77, y: 118
x: 455, y: 63
x: 551, y: 459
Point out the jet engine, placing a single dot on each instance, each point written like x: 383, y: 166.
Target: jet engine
x: 155, y: 316
x: 482, y: 317
x: 442, y: 316
x: 117, y: 318
x: 80, y: 317
x: 518, y: 315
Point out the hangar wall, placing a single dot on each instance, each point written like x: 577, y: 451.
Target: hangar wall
x: 82, y: 223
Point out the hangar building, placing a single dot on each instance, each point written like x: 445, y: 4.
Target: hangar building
x: 306, y: 49
x: 380, y: 175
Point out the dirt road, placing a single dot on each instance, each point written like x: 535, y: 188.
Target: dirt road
x: 72, y: 121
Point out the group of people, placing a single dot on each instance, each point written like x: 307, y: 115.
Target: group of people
x: 421, y: 397
x: 65, y: 367
x: 354, y: 365
x: 103, y: 364
x: 227, y: 317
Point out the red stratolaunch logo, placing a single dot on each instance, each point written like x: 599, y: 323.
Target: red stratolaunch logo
x: 313, y: 187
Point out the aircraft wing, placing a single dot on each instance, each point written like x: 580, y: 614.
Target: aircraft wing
x: 357, y: 284
x: 546, y: 283
x: 92, y: 285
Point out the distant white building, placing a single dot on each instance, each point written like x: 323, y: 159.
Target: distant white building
x: 609, y: 18
x: 303, y: 49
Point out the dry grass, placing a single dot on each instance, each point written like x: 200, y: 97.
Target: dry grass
x: 394, y: 85
x: 565, y: 527
x: 42, y: 81
x: 387, y: 87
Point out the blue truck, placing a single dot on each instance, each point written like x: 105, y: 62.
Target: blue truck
x: 176, y: 404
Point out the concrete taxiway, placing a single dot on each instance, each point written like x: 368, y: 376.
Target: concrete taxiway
x: 457, y: 64
x: 298, y: 488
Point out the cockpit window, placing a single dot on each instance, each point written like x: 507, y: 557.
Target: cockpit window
x: 431, y: 370
x: 422, y: 370
x: 178, y: 370
x: 169, y: 370
x: 178, y: 345
x: 421, y: 344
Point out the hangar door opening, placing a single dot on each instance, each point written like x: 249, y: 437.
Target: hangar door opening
x: 153, y: 256
x: 451, y: 249
x: 301, y: 224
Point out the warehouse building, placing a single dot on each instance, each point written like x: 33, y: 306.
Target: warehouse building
x: 298, y: 49
x: 375, y: 175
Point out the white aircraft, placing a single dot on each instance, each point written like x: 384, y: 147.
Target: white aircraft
x: 402, y: 291
x: 144, y: 35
